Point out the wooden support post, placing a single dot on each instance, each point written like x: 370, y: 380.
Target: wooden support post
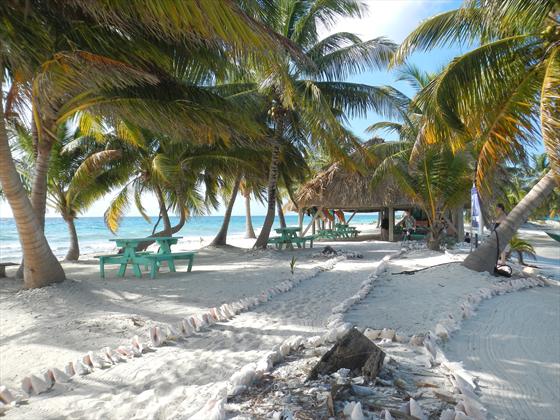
x: 312, y: 223
x: 460, y: 224
x: 391, y: 224
x: 300, y: 221
x: 353, y: 214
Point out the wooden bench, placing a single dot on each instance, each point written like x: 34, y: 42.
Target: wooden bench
x: 3, y: 268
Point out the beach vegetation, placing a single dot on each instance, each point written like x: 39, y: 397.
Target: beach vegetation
x: 118, y: 61
x: 293, y: 265
x: 521, y: 247
x: 80, y: 172
x: 306, y: 102
x: 196, y: 102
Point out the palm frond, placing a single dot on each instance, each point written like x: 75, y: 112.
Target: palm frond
x: 117, y: 208
x: 385, y: 126
x: 412, y: 74
x: 355, y: 58
x: 138, y: 190
x: 89, y: 170
x: 355, y: 99
x: 519, y: 245
x: 460, y: 26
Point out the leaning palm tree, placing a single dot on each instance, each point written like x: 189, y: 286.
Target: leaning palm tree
x: 292, y: 168
x: 499, y: 97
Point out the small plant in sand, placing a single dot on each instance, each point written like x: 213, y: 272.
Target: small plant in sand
x: 293, y: 265
x: 521, y: 247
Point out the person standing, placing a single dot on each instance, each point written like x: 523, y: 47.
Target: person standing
x: 409, y: 224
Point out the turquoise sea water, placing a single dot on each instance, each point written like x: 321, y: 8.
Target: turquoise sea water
x: 94, y: 235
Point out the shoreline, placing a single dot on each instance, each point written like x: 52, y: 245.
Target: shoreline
x: 94, y: 238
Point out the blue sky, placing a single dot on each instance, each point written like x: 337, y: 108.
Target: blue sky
x: 394, y: 19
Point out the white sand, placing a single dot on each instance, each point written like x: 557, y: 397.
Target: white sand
x: 414, y: 304
x: 548, y: 250
x: 513, y: 346
x: 49, y: 327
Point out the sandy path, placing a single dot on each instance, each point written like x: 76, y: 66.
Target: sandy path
x: 413, y: 304
x: 176, y: 381
x: 513, y: 345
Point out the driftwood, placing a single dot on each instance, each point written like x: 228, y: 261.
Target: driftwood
x: 353, y: 351
x: 410, y: 272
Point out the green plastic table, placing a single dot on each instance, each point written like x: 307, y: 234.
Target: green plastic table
x: 136, y: 259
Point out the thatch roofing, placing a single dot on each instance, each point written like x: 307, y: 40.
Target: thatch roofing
x: 340, y: 188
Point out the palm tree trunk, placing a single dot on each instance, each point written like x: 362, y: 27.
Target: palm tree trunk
x: 221, y: 237
x: 41, y: 157
x: 249, y: 231
x: 74, y: 251
x: 174, y: 229
x: 41, y: 266
x: 280, y: 212
x: 39, y: 185
x: 264, y: 234
x: 484, y: 257
x: 163, y: 210
x: 434, y: 238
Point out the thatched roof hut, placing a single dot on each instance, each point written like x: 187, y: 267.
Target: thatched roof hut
x: 339, y: 188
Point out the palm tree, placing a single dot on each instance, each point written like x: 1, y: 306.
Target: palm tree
x: 184, y: 176
x: 437, y: 181
x: 94, y: 64
x: 521, y: 247
x: 499, y: 97
x: 79, y: 174
x: 306, y: 102
x: 292, y: 168
x: 42, y: 266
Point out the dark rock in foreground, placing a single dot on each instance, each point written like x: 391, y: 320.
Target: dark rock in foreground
x: 353, y: 351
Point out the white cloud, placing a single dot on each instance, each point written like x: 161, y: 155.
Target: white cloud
x: 393, y: 19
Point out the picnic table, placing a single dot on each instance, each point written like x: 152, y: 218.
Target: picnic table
x: 346, y: 231
x: 289, y: 237
x: 340, y: 231
x: 145, y: 258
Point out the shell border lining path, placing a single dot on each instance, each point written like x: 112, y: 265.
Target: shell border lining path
x: 158, y: 335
